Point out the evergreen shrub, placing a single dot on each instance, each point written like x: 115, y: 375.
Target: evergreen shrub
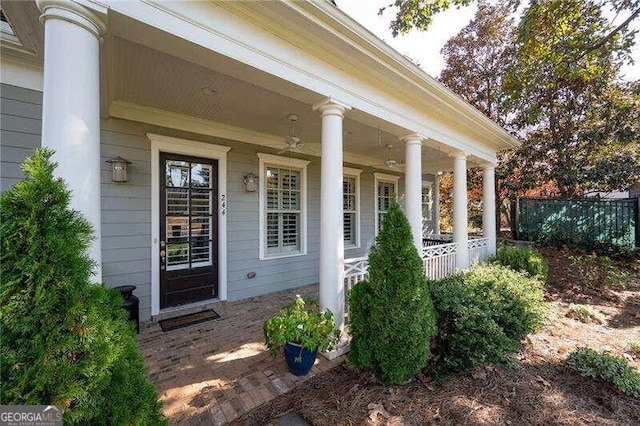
x: 520, y: 259
x: 483, y: 314
x: 609, y: 368
x: 392, y: 315
x: 63, y: 341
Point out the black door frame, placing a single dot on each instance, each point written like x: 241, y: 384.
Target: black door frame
x: 198, y: 273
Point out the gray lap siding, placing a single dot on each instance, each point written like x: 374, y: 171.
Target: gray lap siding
x: 126, y: 208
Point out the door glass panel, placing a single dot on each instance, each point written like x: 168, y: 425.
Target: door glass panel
x: 201, y: 253
x: 200, y: 175
x: 200, y: 227
x: 177, y: 173
x: 188, y: 214
x: 177, y: 201
x: 177, y: 256
x: 200, y: 201
x: 177, y: 229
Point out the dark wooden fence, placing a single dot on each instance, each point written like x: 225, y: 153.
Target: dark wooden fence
x: 588, y: 222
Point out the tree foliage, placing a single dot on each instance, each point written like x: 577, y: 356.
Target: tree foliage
x: 554, y: 82
x: 392, y: 317
x: 578, y: 121
x: 419, y: 14
x: 64, y: 340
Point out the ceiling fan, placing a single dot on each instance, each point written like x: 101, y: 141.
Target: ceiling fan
x: 292, y: 142
x: 389, y: 162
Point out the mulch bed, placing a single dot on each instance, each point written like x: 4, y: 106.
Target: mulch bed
x: 535, y: 388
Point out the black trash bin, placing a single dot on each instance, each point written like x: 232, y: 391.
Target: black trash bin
x: 130, y: 303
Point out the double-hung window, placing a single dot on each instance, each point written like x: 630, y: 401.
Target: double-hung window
x: 351, y: 207
x: 282, y: 206
x: 427, y: 201
x: 386, y: 187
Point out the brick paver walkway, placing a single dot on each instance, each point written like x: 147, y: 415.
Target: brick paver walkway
x: 214, y: 372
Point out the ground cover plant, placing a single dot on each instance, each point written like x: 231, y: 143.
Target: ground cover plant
x: 392, y: 314
x: 609, y: 368
x: 64, y: 340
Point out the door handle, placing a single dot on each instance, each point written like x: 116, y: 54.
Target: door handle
x: 163, y: 254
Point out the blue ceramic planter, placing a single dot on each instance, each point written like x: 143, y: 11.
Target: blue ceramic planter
x: 299, y: 359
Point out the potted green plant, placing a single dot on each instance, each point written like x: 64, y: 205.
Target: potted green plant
x: 302, y: 332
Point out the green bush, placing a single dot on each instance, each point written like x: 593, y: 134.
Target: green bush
x: 483, y: 314
x: 64, y: 341
x: 604, y: 366
x: 392, y: 315
x: 525, y: 260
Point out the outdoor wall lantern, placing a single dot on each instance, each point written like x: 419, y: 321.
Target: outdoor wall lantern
x: 250, y: 182
x: 119, y: 167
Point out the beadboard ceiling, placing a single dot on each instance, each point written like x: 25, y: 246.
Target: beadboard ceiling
x: 147, y: 77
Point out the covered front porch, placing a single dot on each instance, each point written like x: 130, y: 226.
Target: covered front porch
x: 333, y: 124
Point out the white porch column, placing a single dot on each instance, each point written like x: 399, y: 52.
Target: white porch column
x: 331, y: 211
x: 436, y: 201
x: 413, y: 187
x: 489, y: 206
x: 460, y: 233
x: 71, y: 106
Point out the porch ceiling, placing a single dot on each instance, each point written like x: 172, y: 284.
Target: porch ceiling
x: 147, y: 77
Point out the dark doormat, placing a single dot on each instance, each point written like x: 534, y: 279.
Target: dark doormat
x: 187, y: 320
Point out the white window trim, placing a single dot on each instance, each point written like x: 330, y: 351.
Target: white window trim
x: 355, y: 173
x: 197, y: 149
x: 428, y: 184
x: 279, y: 161
x: 382, y: 177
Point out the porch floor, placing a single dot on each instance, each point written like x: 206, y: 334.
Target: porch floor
x: 214, y: 372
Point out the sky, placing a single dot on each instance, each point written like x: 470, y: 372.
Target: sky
x: 424, y: 46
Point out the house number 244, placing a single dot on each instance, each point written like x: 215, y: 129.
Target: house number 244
x: 223, y: 204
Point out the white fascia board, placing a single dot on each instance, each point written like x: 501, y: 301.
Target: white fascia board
x: 211, y: 26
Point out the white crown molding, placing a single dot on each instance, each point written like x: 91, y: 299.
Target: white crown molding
x: 158, y: 117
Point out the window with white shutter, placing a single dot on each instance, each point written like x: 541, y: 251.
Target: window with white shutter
x: 386, y: 187
x: 351, y: 207
x: 282, y: 206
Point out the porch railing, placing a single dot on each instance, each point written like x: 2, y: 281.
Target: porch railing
x: 440, y: 260
x: 478, y: 250
x: 439, y: 256
x: 355, y: 270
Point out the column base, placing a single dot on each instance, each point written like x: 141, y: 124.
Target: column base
x: 340, y: 349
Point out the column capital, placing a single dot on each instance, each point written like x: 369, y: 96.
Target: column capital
x: 412, y: 139
x: 330, y: 106
x: 74, y: 13
x: 489, y: 165
x: 459, y: 155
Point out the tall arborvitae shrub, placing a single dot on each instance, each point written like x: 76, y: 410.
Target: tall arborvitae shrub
x: 63, y: 340
x: 392, y: 315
